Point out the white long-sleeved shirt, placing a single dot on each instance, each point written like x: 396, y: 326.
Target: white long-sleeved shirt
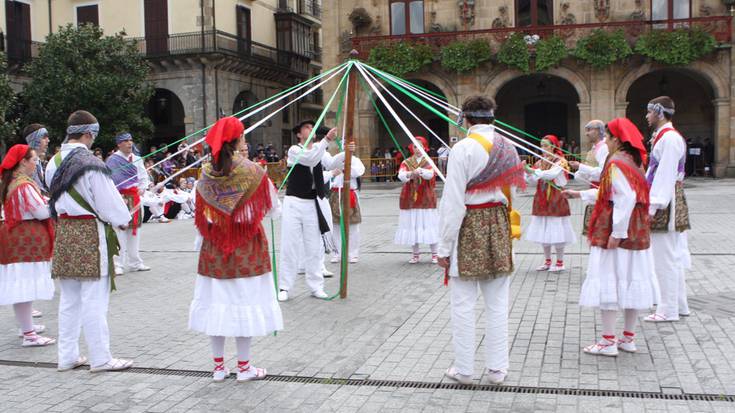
x: 311, y: 157
x: 623, y: 198
x: 96, y: 188
x: 554, y: 174
x: 668, y: 151
x: 39, y: 210
x: 592, y: 173
x: 357, y: 169
x: 143, y: 178
x: 424, y: 173
x: 467, y: 159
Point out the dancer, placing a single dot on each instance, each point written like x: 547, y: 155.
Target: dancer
x: 304, y: 221
x: 417, y: 219
x: 669, y: 211
x: 620, y: 270
x: 88, y: 206
x: 357, y: 169
x: 591, y: 169
x: 131, y: 179
x: 25, y: 266
x: 36, y: 136
x: 550, y: 223
x: 475, y: 247
x: 235, y: 292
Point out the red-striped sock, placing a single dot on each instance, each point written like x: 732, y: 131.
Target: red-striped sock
x: 609, y: 338
x: 628, y: 334
x: 219, y: 363
x: 243, y: 365
x: 559, y: 263
x: 548, y: 262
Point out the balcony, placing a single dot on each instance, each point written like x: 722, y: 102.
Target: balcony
x: 718, y: 26
x: 252, y: 55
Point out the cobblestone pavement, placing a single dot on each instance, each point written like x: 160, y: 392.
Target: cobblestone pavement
x: 393, y: 330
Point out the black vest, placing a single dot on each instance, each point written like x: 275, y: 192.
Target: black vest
x: 304, y: 184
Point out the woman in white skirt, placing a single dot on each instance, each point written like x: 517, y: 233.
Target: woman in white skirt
x: 620, y: 272
x: 418, y: 220
x: 26, y: 243
x: 550, y: 218
x: 235, y: 294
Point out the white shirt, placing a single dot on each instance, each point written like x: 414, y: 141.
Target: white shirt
x: 357, y: 169
x: 443, y: 152
x: 592, y: 173
x: 623, y: 198
x: 467, y: 159
x: 668, y: 151
x: 555, y: 174
x: 96, y: 188
x: 424, y: 173
x: 311, y: 157
x: 143, y: 179
x: 40, y: 209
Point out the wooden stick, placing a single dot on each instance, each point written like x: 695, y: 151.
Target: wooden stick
x: 348, y: 139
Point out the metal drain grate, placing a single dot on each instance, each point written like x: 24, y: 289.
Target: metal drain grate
x: 422, y: 384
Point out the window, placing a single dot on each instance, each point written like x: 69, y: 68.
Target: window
x: 406, y: 15
x: 244, y: 29
x: 156, y: 26
x: 534, y: 13
x: 670, y: 9
x: 88, y: 15
x: 18, y: 25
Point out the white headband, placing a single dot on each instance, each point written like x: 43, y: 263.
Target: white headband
x: 659, y: 110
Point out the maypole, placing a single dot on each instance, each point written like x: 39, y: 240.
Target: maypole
x: 347, y: 142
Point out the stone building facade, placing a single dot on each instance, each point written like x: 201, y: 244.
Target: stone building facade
x: 562, y: 99
x: 208, y: 58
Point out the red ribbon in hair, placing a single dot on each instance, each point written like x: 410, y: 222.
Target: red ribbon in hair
x: 424, y: 143
x: 225, y: 130
x: 15, y: 154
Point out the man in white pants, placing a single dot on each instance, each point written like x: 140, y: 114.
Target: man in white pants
x: 669, y: 211
x: 303, y: 221
x: 131, y: 179
x: 475, y: 239
x: 357, y: 169
x: 87, y: 205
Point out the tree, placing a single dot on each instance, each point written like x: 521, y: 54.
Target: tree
x: 80, y: 68
x: 8, y: 126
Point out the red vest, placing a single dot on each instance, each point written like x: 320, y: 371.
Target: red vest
x: 248, y: 260
x: 639, y: 227
x: 548, y: 201
x: 418, y: 193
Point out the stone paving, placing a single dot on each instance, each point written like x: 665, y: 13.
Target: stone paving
x: 395, y: 326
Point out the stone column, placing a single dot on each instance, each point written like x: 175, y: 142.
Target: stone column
x: 585, y: 115
x: 724, y: 162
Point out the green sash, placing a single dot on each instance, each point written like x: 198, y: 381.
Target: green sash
x: 113, y: 246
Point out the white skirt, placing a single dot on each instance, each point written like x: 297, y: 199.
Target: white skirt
x: 238, y: 307
x: 550, y: 230
x: 620, y: 279
x: 26, y: 281
x: 417, y: 226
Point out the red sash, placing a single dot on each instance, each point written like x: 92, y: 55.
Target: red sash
x: 133, y: 193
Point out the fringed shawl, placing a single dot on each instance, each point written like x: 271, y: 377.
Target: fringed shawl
x: 229, y: 209
x: 19, y: 201
x: 503, y: 169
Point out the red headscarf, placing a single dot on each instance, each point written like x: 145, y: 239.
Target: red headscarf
x: 225, y: 130
x: 15, y: 154
x: 424, y: 143
x: 555, y: 143
x: 626, y: 131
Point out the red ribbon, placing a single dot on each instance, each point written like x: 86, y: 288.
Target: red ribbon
x: 133, y: 192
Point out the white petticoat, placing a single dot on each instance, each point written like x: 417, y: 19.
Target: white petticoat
x: 620, y: 279
x: 417, y: 226
x: 238, y: 307
x: 550, y: 230
x: 26, y: 281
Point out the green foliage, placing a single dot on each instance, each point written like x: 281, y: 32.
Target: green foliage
x: 550, y: 52
x: 514, y: 53
x: 80, y: 68
x: 7, y: 101
x: 401, y: 58
x: 677, y: 47
x: 602, y: 48
x: 462, y: 57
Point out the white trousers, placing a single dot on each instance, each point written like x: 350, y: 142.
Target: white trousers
x: 300, y: 227
x: 83, y: 305
x: 354, y: 240
x: 129, y: 257
x: 667, y: 248
x: 463, y: 296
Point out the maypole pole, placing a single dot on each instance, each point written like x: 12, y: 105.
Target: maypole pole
x: 347, y: 140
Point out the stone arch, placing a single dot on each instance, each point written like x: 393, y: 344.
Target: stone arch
x: 572, y: 76
x: 166, y: 110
